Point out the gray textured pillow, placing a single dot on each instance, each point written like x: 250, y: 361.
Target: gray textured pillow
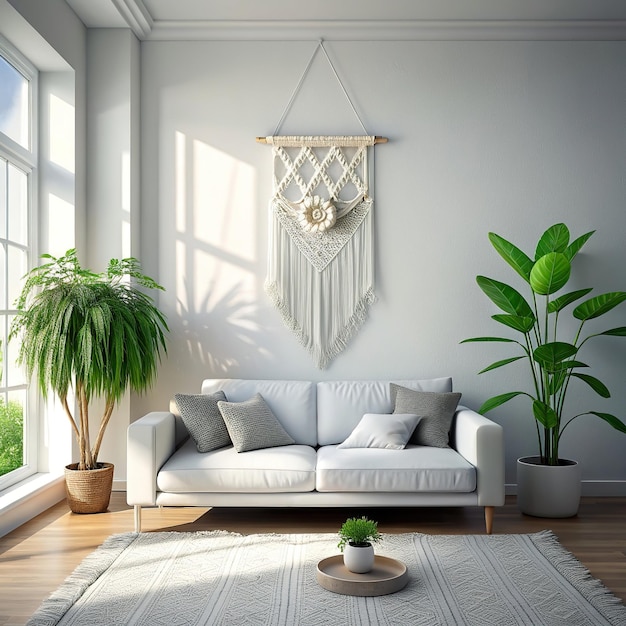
x: 204, y: 420
x: 436, y: 410
x: 252, y: 425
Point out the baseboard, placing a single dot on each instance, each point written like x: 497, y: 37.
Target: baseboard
x: 33, y: 496
x: 601, y: 488
x: 589, y: 488
x: 119, y: 485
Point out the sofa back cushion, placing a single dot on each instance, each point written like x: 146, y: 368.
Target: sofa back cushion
x: 293, y: 402
x: 341, y: 404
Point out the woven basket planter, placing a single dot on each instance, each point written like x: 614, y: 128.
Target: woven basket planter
x: 88, y: 491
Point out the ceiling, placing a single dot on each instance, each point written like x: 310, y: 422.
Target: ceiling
x: 148, y: 18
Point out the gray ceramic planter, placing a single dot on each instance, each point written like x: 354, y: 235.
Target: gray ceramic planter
x: 548, y: 490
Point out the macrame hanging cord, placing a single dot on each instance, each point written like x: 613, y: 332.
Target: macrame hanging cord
x: 321, y: 267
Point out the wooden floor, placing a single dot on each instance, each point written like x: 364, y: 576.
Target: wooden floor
x: 37, y: 557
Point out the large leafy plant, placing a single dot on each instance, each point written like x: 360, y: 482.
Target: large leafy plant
x: 93, y: 334
x: 553, y: 362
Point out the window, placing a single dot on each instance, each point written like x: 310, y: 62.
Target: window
x: 18, y: 432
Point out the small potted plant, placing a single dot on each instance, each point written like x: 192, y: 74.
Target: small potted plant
x: 355, y: 541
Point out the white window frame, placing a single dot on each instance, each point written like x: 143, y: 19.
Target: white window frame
x: 25, y: 159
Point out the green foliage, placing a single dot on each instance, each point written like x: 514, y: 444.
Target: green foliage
x: 552, y: 362
x: 11, y: 436
x: 358, y: 531
x: 94, y: 334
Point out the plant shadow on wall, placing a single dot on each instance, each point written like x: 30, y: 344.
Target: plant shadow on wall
x: 554, y: 358
x: 222, y: 333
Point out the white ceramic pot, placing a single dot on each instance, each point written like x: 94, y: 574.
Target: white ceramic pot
x: 358, y: 559
x: 548, y: 490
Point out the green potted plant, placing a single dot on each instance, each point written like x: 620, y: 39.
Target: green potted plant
x: 355, y: 541
x: 91, y: 335
x: 552, y: 356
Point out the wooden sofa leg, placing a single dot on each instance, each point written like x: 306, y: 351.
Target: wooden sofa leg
x: 137, y: 518
x: 489, y: 519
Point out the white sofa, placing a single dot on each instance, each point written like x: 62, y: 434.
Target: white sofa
x: 165, y: 468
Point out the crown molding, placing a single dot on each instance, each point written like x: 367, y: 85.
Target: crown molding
x: 137, y: 16
x: 366, y: 30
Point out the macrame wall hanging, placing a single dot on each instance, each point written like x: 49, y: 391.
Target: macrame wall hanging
x: 321, y: 260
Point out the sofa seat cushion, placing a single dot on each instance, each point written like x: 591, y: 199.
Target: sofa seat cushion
x: 283, y: 469
x: 416, y: 468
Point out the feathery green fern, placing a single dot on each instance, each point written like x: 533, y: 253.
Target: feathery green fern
x: 94, y: 334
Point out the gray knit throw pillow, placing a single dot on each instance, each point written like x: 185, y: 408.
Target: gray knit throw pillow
x: 436, y: 410
x: 252, y: 425
x: 203, y: 420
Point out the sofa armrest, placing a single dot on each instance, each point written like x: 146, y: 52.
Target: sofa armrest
x: 481, y: 442
x: 151, y: 441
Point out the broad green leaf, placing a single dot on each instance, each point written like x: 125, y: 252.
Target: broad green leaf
x: 550, y: 273
x: 504, y: 297
x: 550, y: 355
x: 598, y: 386
x: 573, y: 249
x: 568, y: 365
x: 562, y: 301
x: 612, y: 420
x: 496, y: 401
x: 498, y: 364
x: 545, y: 414
x: 502, y: 339
x: 517, y: 259
x: 599, y: 305
x: 555, y: 239
x: 522, y: 324
x: 615, y: 332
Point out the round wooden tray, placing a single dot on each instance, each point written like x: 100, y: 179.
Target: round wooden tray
x: 387, y: 576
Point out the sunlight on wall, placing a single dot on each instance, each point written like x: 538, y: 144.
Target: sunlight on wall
x: 126, y: 205
x: 61, y: 225
x: 216, y: 250
x: 215, y: 221
x: 62, y: 133
x: 223, y: 194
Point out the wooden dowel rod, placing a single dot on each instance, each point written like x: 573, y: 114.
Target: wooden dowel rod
x: 377, y: 139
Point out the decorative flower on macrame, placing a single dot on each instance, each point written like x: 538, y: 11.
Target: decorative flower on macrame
x: 316, y: 215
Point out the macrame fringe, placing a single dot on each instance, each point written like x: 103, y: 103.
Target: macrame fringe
x: 324, y: 309
x: 322, y: 356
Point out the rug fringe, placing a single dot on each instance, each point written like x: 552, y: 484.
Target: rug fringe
x: 579, y: 576
x: 55, y: 607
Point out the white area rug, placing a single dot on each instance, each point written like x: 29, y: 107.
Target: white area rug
x: 223, y: 578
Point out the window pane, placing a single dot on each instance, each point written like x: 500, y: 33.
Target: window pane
x: 18, y: 205
x: 3, y: 349
x: 18, y: 266
x: 3, y: 274
x: 14, y: 374
x: 13, y: 103
x: 12, y: 431
x: 3, y: 198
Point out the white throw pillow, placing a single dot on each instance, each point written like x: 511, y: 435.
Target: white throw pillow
x: 377, y: 430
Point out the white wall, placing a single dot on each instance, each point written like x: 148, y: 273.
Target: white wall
x: 508, y: 137
x: 51, y: 36
x: 113, y: 182
x: 493, y: 135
